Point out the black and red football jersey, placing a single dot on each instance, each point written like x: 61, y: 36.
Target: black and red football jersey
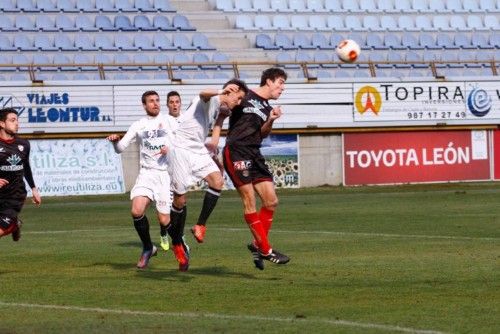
x: 14, y: 167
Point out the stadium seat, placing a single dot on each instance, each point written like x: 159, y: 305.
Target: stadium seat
x: 182, y: 42
x: 335, y: 39
x: 423, y: 23
x: 368, y: 6
x: 162, y: 60
x: 491, y: 22
x: 392, y: 42
x: 125, y: 61
x: 81, y: 76
x: 6, y: 44
x: 81, y: 58
x: 420, y: 6
x: 23, y: 43
x: 471, y: 6
x: 333, y: 6
x: 141, y: 60
x: 162, y: 23
x: 59, y: 77
x: 353, y: 23
x: 124, y: 43
x: 410, y: 41
x: 315, y: 6
x: 280, y: 22
x: 143, y: 43
x: 297, y: 5
x: 304, y: 57
x: 7, y: 6
x: 6, y: 24
x: 457, y: 23
x: 123, y: 23
x: 444, y: 41
x: 180, y: 22
x: 342, y: 74
x: 462, y: 41
x: 86, y: 6
x: 26, y: 6
x: 320, y: 41
x: 299, y: 22
x: 317, y: 22
x: 161, y: 76
x: 283, y: 42
x: 83, y: 23
x: 374, y: 42
x: 279, y: 6
x: 495, y: 41
x: 200, y: 42
x: 224, y: 5
x: 489, y: 6
x: 42, y: 59
x: 479, y: 41
x: 301, y: 41
x: 63, y: 43
x: 406, y: 23
x: 361, y: 74
x: 64, y: 23
x: 323, y: 58
x: 106, y: 6
x: 45, y: 23
x: 201, y: 75
x: 413, y: 58
x: 142, y: 23
x: 403, y: 6
x: 24, y: 23
x: 125, y: 6
x: 46, y: 6
x: 20, y: 77
x: 141, y: 76
x: 244, y: 22
x: 163, y: 6
x: 441, y: 23
x: 437, y: 6
x: 180, y: 58
x: 262, y: 22
x: 104, y: 43
x: 102, y: 58
x: 84, y: 43
x: 103, y: 23
x: 200, y: 57
x: 220, y: 58
x: 44, y: 42
x: 162, y: 42
x: 265, y: 42
x: 261, y: 5
x: 455, y: 6
x: 144, y: 6
x: 371, y: 23
x: 427, y: 41
x: 285, y: 57
x: 66, y: 6
x: 5, y: 60
x: 474, y: 22
x: 336, y: 23
x: 243, y: 5
x: 220, y: 75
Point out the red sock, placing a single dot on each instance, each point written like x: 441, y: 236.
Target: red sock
x: 266, y: 218
x: 257, y: 229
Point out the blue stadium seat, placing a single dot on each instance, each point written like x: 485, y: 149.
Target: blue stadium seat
x: 304, y: 57
x: 437, y: 6
x: 342, y: 74
x: 489, y: 6
x: 323, y: 58
x: 182, y: 42
x: 392, y: 41
x: 124, y: 43
x: 24, y: 23
x: 123, y: 23
x: 44, y: 42
x: 265, y: 42
x: 162, y: 42
x: 42, y: 59
x: 471, y: 6
x: 6, y: 44
x: 336, y: 23
x: 6, y: 24
x: 374, y: 42
x: 144, y: 6
x: 285, y: 57
x: 60, y: 77
x: 359, y: 38
x: 200, y: 75
x: 23, y: 43
x: 397, y: 59
x: 224, y: 5
x: 423, y: 23
x: 317, y: 22
x: 361, y: 74
x: 261, y: 5
x: 20, y: 77
x: 420, y: 6
x: 7, y: 6
x: 299, y: 22
x: 301, y: 41
x: 63, y: 60
x: 82, y: 58
x: 427, y: 41
x: 335, y: 39
x: 63, y: 43
x: 457, y: 23
x: 142, y: 23
x: 162, y: 23
x: 350, y: 6
x: 84, y: 23
x: 353, y: 23
x: 410, y: 41
x: 161, y: 76
x: 45, y: 23
x: 46, y: 6
x: 495, y: 41
x: 403, y: 6
x: 219, y: 57
x: 26, y: 6
x: 201, y: 57
x: 444, y: 41
x: 321, y: 42
x: 163, y: 6
x: 123, y: 58
x: 474, y: 22
x: 103, y: 23
x: 262, y: 22
x: 279, y: 6
x: 462, y: 41
x: 220, y: 75
x: 64, y: 23
x: 371, y: 23
x: 84, y: 43
x: 283, y: 42
x: 244, y: 22
x: 67, y: 6
x: 4, y: 60
x: 125, y: 6
x: 491, y: 22
x: 280, y: 22
x: 200, y: 42
x: 183, y: 58
x: 386, y: 6
x: 449, y: 57
x: 406, y: 23
x: 441, y: 23
x: 315, y: 6
x: 413, y: 58
x: 368, y: 6
x: 106, y: 6
x: 297, y: 5
x: 103, y: 42
x: 162, y: 60
x: 479, y: 41
x: 21, y: 59
x: 86, y: 6
x: 454, y: 6
x: 180, y: 22
x: 143, y: 43
x: 141, y: 60
x: 243, y: 5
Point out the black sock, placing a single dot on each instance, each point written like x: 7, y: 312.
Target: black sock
x: 209, y: 202
x: 176, y: 229
x: 163, y: 230
x: 141, y: 225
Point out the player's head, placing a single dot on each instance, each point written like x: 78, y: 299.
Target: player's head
x: 9, y: 123
x: 273, y: 81
x: 151, y: 102
x: 174, y: 103
x: 233, y: 99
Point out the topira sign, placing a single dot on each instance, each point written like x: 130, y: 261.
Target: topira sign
x: 76, y: 167
x: 412, y: 157
x: 426, y: 101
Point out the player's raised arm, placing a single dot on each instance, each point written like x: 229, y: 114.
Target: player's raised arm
x: 121, y: 144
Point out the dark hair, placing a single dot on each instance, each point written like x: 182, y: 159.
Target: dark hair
x: 4, y: 112
x: 173, y: 93
x: 148, y: 93
x: 272, y: 73
x: 240, y: 83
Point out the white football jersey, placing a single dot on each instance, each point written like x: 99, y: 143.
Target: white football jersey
x: 195, y: 122
x: 152, y: 133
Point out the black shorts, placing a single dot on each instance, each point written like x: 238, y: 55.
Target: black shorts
x: 11, y: 207
x: 245, y: 165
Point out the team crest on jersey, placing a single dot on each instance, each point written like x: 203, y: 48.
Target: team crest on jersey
x: 242, y: 165
x: 14, y: 159
x: 20, y: 147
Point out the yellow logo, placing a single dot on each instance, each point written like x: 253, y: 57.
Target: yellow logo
x: 368, y: 98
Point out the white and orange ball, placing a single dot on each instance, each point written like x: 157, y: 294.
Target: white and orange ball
x: 348, y: 50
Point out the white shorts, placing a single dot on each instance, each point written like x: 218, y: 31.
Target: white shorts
x: 155, y: 185
x: 187, y: 168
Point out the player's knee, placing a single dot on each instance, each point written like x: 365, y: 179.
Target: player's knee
x: 271, y: 203
x: 180, y: 201
x: 136, y: 212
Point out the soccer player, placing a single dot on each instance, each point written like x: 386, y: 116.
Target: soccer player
x: 192, y: 159
x: 14, y: 167
x: 249, y: 123
x: 154, y: 134
x: 174, y: 109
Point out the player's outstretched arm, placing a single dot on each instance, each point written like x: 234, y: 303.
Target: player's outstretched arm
x: 266, y: 128
x: 207, y: 94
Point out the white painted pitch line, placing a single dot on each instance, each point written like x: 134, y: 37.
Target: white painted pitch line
x: 224, y: 317
x: 235, y: 229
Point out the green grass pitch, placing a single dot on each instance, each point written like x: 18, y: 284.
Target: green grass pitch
x: 407, y: 259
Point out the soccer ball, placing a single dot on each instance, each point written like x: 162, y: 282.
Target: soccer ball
x: 348, y: 50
